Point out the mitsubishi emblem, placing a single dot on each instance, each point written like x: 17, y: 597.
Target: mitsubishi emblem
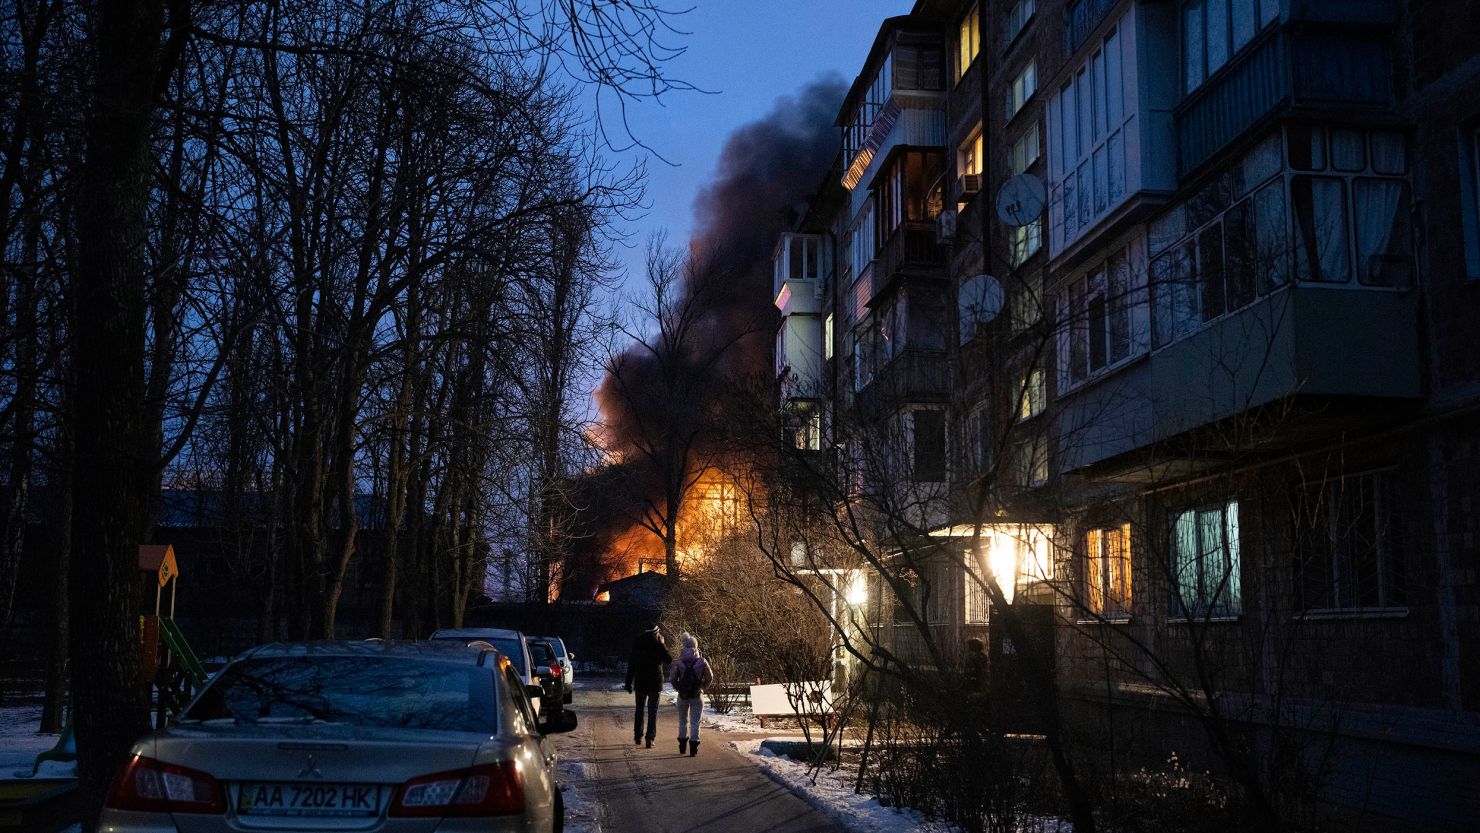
x: 310, y: 770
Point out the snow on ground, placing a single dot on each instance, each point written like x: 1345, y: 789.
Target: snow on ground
x: 20, y: 743
x: 581, y: 813
x: 832, y: 793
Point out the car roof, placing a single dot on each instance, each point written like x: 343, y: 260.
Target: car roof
x: 477, y: 633
x: 451, y: 653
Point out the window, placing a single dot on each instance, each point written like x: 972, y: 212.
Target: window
x: 1205, y: 562
x: 918, y: 63
x: 968, y: 40
x: 1107, y: 575
x: 1088, y: 120
x: 978, y: 603
x: 807, y: 427
x: 929, y: 434
x: 864, y: 238
x: 827, y: 337
x: 1213, y: 31
x: 1026, y: 241
x: 1032, y: 393
x: 1469, y: 176
x: 781, y: 360
x: 975, y: 440
x: 1346, y: 545
x: 1023, y: 151
x: 969, y: 158
x: 1022, y: 88
x: 1100, y: 318
x: 1029, y: 461
x: 1017, y: 18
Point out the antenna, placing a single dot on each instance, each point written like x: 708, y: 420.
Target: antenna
x: 1021, y: 199
x: 979, y: 303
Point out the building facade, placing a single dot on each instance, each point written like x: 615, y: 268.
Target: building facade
x: 1165, y: 309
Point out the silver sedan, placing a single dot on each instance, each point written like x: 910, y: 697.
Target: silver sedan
x: 348, y: 736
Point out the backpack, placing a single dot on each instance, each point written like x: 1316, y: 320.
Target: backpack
x: 689, y: 684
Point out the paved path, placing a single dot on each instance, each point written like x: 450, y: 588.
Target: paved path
x: 654, y: 790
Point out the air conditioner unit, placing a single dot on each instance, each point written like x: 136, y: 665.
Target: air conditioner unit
x: 945, y: 226
x: 971, y: 184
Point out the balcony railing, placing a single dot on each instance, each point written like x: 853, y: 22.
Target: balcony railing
x: 1081, y: 19
x: 912, y: 249
x: 1309, y: 69
x: 914, y: 375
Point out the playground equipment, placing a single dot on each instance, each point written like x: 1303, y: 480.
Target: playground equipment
x: 168, y: 664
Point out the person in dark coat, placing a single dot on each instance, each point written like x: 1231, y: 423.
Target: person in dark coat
x: 646, y: 669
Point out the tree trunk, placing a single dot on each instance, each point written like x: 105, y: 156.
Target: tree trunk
x: 61, y: 525
x: 114, y: 472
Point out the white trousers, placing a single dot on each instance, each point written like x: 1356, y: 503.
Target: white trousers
x: 688, y: 717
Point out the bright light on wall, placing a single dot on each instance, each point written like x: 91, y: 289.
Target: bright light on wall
x: 857, y: 589
x: 1002, y: 560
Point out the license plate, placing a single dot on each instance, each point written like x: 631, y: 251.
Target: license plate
x: 308, y: 799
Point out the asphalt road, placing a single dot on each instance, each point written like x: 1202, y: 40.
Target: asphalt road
x: 639, y: 790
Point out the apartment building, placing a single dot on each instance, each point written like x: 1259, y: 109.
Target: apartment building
x: 1172, y: 306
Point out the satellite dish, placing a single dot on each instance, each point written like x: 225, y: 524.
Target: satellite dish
x: 980, y: 302
x: 1021, y: 199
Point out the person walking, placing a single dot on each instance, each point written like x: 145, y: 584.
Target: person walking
x: 645, y: 667
x: 690, y: 676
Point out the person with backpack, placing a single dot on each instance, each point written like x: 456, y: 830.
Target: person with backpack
x: 645, y: 669
x: 690, y: 675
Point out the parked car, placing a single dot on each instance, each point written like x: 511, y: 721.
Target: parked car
x: 510, y: 643
x: 567, y: 664
x: 548, y: 669
x: 372, y: 736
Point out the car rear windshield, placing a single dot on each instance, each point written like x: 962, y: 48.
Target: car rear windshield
x: 543, y: 653
x: 508, y: 647
x: 362, y: 691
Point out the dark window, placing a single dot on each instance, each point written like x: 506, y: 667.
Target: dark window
x: 1347, y: 553
x: 930, y: 446
x: 1322, y: 252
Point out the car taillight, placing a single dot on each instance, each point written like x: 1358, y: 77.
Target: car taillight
x: 155, y: 786
x: 487, y: 790
x: 554, y: 670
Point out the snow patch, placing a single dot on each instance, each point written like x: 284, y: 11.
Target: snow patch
x: 20, y: 743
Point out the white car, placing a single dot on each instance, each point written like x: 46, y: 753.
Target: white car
x: 510, y: 643
x: 567, y: 665
x: 374, y: 737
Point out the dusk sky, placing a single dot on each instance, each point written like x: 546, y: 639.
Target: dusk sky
x: 748, y: 53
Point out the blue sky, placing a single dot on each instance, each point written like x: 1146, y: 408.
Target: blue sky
x: 749, y: 53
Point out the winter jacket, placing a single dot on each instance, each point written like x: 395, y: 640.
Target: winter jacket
x: 646, y: 664
x: 701, y: 667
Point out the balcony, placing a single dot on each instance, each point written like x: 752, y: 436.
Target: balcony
x: 1301, y: 364
x: 1303, y: 69
x: 911, y: 251
x: 914, y: 376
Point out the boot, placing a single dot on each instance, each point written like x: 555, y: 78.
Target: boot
x: 693, y: 748
x: 637, y: 740
x: 683, y: 745
x: 649, y: 743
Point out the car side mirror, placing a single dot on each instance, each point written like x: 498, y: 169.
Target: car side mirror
x: 534, y: 691
x: 571, y: 657
x: 543, y: 671
x: 559, y: 722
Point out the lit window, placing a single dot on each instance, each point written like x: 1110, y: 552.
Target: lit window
x: 1017, y: 18
x: 969, y: 158
x: 969, y: 40
x: 1026, y: 241
x: 1032, y: 394
x: 827, y: 337
x: 1022, y: 89
x: 1107, y: 575
x: 1205, y: 562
